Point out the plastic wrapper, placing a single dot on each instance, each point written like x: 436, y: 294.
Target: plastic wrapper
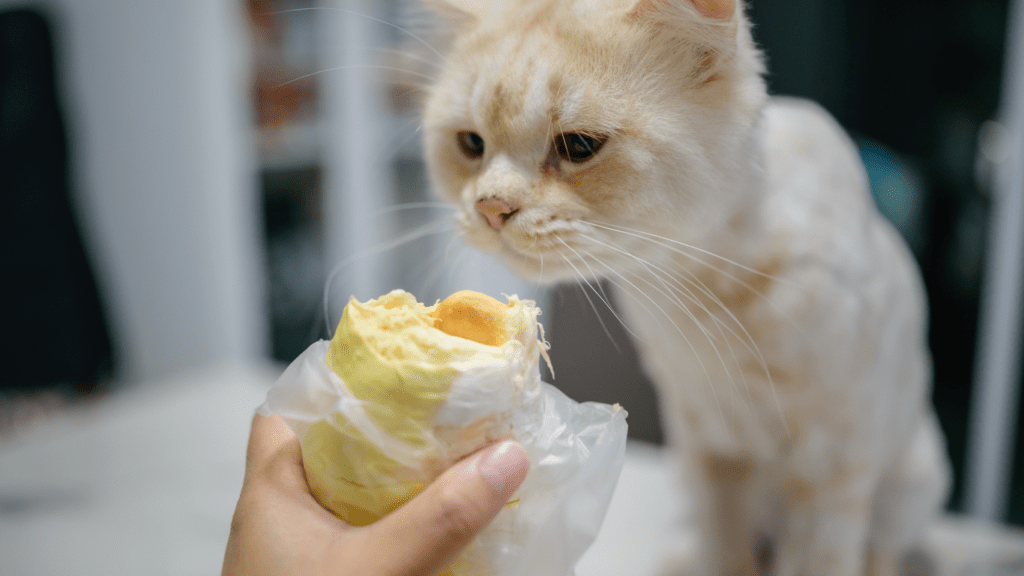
x: 419, y: 394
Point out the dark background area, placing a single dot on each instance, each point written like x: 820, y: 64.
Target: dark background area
x: 54, y: 328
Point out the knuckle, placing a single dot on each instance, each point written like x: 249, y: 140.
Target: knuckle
x: 458, y: 513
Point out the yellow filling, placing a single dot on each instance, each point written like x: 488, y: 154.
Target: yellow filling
x: 399, y: 357
x: 473, y: 316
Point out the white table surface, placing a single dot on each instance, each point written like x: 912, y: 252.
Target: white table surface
x: 145, y: 481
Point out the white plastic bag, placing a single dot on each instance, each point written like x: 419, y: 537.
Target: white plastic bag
x: 576, y: 453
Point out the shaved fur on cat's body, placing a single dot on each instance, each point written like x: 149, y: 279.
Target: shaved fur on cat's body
x: 781, y: 318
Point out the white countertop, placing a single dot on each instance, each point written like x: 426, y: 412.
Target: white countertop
x: 145, y: 481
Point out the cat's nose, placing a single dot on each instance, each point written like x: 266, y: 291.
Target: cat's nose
x: 496, y: 211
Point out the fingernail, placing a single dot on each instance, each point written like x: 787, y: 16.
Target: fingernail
x: 505, y: 467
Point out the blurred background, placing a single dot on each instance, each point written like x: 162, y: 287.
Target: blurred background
x: 181, y: 180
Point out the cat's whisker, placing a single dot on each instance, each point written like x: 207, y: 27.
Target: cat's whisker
x: 619, y: 285
x: 429, y: 273
x: 722, y: 328
x: 539, y: 281
x: 591, y: 302
x: 745, y: 399
x: 416, y: 206
x: 455, y: 263
x: 657, y: 319
x: 429, y: 228
x: 646, y: 264
x: 639, y: 234
x: 670, y: 293
x: 638, y: 301
x: 409, y: 55
x: 434, y: 267
x: 416, y: 89
x: 650, y: 236
x: 368, y: 17
x: 443, y: 262
x: 694, y: 281
x: 448, y: 248
x: 725, y: 273
x: 592, y: 272
x: 637, y: 289
x: 747, y: 341
x: 747, y: 337
x: 677, y: 328
x: 392, y: 142
x: 353, y: 67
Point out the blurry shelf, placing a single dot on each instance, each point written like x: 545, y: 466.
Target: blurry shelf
x: 290, y: 146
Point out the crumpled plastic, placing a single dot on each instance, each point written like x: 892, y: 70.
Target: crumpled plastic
x: 361, y: 472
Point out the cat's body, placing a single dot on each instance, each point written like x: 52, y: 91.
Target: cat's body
x: 805, y: 438
x: 781, y: 318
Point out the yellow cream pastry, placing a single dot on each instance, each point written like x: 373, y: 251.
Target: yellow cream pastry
x: 403, y: 390
x: 473, y: 316
x: 434, y: 384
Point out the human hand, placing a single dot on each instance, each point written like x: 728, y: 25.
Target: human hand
x: 279, y: 529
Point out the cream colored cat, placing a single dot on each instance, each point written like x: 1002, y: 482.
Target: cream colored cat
x: 781, y: 318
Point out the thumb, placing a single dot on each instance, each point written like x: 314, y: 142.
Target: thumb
x: 428, y: 533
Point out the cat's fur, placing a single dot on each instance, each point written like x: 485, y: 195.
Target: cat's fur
x: 781, y: 318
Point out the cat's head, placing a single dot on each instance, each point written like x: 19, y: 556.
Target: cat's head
x: 556, y: 121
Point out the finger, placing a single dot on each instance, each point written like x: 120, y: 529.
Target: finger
x: 429, y: 532
x: 274, y: 452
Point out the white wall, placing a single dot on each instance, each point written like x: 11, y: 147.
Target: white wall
x: 164, y: 175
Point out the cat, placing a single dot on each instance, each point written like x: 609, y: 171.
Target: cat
x: 781, y: 318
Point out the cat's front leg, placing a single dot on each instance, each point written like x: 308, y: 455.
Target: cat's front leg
x: 825, y: 528
x: 728, y: 530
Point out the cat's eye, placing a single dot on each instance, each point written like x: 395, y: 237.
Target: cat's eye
x: 577, y: 147
x: 471, y: 144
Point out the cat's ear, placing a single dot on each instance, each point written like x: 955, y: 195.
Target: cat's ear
x: 712, y: 31
x: 459, y: 12
x: 717, y: 9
